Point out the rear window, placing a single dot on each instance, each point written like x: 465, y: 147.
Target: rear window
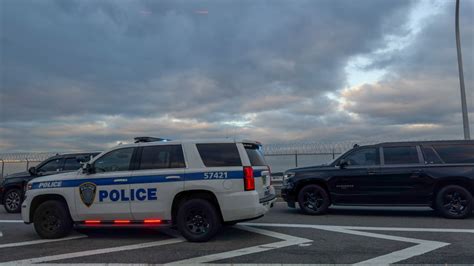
x: 456, y: 153
x: 430, y: 156
x: 162, y: 157
x: 219, y: 154
x: 255, y: 154
x: 400, y: 155
x: 71, y: 164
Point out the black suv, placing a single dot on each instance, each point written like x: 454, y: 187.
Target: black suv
x: 12, y: 187
x: 439, y: 174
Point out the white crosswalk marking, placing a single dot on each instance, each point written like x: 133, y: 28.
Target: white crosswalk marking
x: 422, y: 247
x: 39, y: 241
x: 288, y: 241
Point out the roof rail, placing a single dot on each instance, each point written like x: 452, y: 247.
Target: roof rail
x: 148, y: 139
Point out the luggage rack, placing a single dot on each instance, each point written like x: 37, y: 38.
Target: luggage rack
x: 148, y: 139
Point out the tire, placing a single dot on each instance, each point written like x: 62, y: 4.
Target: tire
x: 12, y: 200
x: 454, y: 202
x: 313, y: 200
x: 198, y: 220
x: 52, y: 220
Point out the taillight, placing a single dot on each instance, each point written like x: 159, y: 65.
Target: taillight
x: 249, y: 180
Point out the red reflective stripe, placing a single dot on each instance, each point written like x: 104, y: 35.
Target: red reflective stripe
x: 92, y: 221
x: 151, y: 221
x: 121, y: 221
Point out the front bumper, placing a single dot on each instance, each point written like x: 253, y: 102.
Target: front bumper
x: 289, y: 196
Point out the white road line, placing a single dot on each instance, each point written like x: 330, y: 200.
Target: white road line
x: 422, y: 247
x: 288, y: 241
x: 40, y: 241
x: 400, y: 229
x: 11, y: 221
x: 405, y: 229
x: 97, y: 251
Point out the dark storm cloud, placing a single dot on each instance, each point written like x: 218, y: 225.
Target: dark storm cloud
x: 81, y: 75
x: 155, y: 57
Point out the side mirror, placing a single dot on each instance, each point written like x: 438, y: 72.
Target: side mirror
x: 87, y: 168
x: 32, y: 171
x: 343, y: 163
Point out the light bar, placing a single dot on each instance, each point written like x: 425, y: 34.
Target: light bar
x: 92, y: 221
x: 151, y: 221
x: 121, y: 221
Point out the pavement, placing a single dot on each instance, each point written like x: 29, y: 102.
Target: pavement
x: 346, y: 235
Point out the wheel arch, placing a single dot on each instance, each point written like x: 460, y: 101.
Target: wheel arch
x: 10, y: 187
x: 193, y: 194
x: 37, y: 200
x: 460, y: 181
x: 311, y: 181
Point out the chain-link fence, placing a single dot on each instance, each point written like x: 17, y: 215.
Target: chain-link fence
x: 280, y: 157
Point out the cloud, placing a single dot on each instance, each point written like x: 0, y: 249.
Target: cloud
x: 81, y: 75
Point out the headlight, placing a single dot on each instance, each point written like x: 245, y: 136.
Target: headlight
x: 287, y: 176
x: 28, y: 186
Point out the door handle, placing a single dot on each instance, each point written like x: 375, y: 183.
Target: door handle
x: 416, y: 173
x: 173, y: 177
x: 120, y: 180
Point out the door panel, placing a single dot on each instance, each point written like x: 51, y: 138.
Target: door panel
x: 154, y: 192
x: 111, y: 191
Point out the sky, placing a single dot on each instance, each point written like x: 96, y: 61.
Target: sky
x: 86, y: 75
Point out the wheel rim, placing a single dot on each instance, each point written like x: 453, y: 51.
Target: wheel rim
x: 50, y: 222
x: 313, y: 200
x: 197, y: 222
x: 12, y: 201
x: 455, y: 202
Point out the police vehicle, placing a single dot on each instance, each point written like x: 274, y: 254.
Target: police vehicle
x: 196, y: 186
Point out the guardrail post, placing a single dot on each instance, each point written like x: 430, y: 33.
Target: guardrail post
x: 27, y: 164
x: 3, y: 166
x: 296, y: 158
x: 333, y: 154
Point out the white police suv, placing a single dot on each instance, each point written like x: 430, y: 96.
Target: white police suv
x: 194, y: 185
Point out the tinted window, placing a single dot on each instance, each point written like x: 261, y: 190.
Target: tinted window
x: 365, y: 156
x: 255, y: 155
x: 51, y: 166
x: 163, y: 156
x: 430, y: 156
x: 219, y: 154
x: 118, y: 160
x: 456, y: 153
x: 400, y: 155
x: 71, y: 164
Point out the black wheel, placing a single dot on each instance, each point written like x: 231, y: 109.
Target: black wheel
x: 12, y: 200
x: 313, y: 199
x: 198, y: 220
x: 52, y: 220
x: 454, y: 202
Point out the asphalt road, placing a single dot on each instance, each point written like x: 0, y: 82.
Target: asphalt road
x: 345, y: 235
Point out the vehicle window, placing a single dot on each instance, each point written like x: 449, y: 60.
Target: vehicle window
x: 400, y: 155
x: 456, y: 153
x: 219, y: 154
x: 71, y: 164
x: 51, y: 166
x: 430, y: 156
x: 117, y: 160
x: 364, y: 156
x: 255, y: 154
x: 163, y: 156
